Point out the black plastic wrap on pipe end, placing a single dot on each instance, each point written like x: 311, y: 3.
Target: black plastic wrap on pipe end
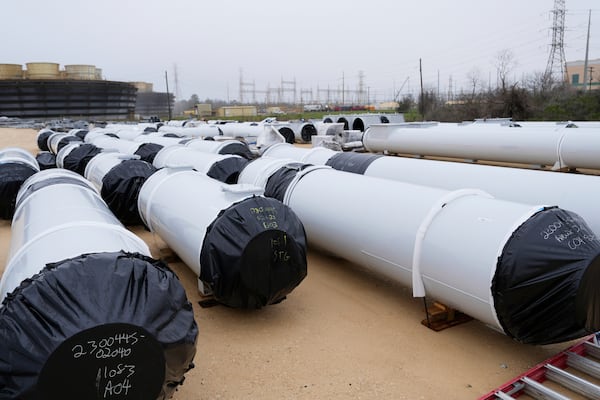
x: 545, y: 288
x: 42, y: 139
x: 97, y: 326
x: 82, y: 133
x: 12, y: 176
x: 46, y: 160
x: 79, y: 157
x: 147, y: 151
x: 357, y: 163
x: 121, y: 187
x: 264, y: 263
x: 65, y: 141
x: 238, y: 149
x: 307, y: 132
x: 278, y: 183
x: 227, y: 170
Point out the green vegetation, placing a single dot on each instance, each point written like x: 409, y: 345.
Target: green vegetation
x: 561, y: 103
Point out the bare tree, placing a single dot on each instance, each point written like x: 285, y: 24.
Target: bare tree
x: 505, y: 63
x: 474, y: 78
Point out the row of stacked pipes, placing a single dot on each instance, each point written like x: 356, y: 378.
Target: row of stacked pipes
x: 514, y: 248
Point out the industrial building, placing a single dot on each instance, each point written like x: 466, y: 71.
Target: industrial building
x: 149, y: 103
x: 43, y: 90
x: 579, y: 79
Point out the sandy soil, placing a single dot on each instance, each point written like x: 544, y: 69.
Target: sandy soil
x: 344, y: 333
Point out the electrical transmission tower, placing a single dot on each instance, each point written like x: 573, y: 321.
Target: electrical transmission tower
x: 246, y: 88
x: 556, y: 69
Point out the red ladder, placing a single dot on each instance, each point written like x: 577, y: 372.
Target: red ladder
x: 583, y: 357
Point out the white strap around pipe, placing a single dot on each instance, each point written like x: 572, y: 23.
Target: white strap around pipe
x: 417, y: 279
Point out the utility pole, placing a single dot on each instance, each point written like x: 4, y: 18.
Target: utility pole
x: 168, y: 95
x: 422, y: 102
x: 587, y: 49
x: 591, y: 76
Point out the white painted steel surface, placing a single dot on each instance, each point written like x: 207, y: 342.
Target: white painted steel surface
x: 112, y: 143
x: 170, y: 206
x: 182, y: 156
x: 64, y: 152
x: 18, y: 155
x: 315, y: 155
x: 559, y: 147
x: 159, y: 139
x: 573, y: 192
x: 193, y: 131
x: 53, y: 141
x: 376, y: 223
x: 211, y: 146
x: 60, y: 221
x: 101, y: 164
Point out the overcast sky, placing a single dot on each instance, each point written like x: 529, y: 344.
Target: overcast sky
x: 316, y: 43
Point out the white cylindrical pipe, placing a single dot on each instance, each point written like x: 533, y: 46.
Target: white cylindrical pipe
x: 16, y: 165
x: 221, y: 147
x: 18, y: 155
x: 160, y: 139
x: 118, y: 178
x: 248, y: 250
x: 315, y: 155
x: 490, y: 142
x: 303, y: 131
x: 574, y: 192
x: 116, y: 144
x: 222, y: 167
x: 448, y: 242
x: 196, y: 131
x: 36, y: 232
x: 64, y: 152
x: 146, y: 151
x: 77, y: 288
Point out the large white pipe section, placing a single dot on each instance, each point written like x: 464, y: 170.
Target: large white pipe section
x: 99, y: 230
x: 303, y: 131
x: 81, y: 295
x: 222, y: 167
x: 559, y: 147
x: 195, y: 131
x: 146, y: 151
x: 248, y: 250
x: 16, y: 165
x: 164, y: 141
x: 574, y: 192
x: 118, y: 178
x: 221, y: 147
x: 58, y: 140
x: 461, y: 247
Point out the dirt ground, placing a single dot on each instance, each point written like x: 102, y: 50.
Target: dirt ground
x: 344, y: 333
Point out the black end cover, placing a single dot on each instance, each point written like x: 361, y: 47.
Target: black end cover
x: 79, y: 157
x: 12, y: 176
x: 356, y: 163
x: 239, y: 149
x: 278, y: 183
x: 46, y: 160
x: 147, y: 151
x: 545, y: 288
x: 42, y: 139
x: 65, y: 141
x: 228, y: 169
x: 254, y: 253
x: 104, y: 325
x: 121, y: 187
